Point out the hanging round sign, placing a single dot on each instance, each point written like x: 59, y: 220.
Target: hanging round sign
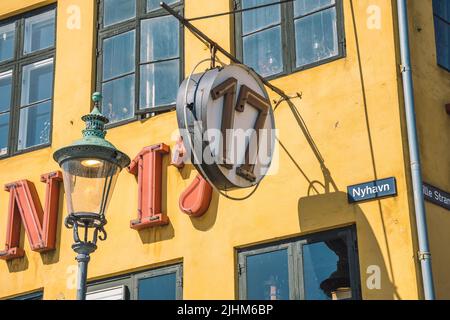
x: 227, y: 124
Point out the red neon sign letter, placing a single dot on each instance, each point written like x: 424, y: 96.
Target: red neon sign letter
x: 147, y: 166
x: 25, y: 207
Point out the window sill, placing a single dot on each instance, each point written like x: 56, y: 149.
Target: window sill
x: 140, y: 117
x: 305, y: 67
x: 25, y: 151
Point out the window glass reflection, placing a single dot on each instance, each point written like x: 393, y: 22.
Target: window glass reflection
x: 5, y: 90
x: 326, y: 270
x: 159, y: 39
x: 162, y: 287
x: 34, y: 126
x: 302, y: 7
x: 118, y: 56
x: 116, y: 11
x: 258, y: 19
x: 159, y: 84
x: 262, y: 52
x: 316, y: 37
x: 37, y: 82
x: 268, y: 276
x: 118, y: 99
x: 154, y: 4
x: 4, y: 133
x: 159, y: 81
x: 39, y: 32
x: 7, y: 39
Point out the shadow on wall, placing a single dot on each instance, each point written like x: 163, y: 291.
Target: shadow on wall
x: 334, y: 210
x: 208, y: 219
x: 53, y: 256
x: 157, y: 234
x: 324, y: 200
x: 21, y: 264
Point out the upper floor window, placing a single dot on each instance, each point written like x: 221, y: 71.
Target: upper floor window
x: 283, y: 38
x: 139, y: 58
x: 441, y: 10
x: 27, y: 50
x: 318, y: 267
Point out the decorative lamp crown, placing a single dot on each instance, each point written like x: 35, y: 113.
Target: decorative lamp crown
x: 95, y: 121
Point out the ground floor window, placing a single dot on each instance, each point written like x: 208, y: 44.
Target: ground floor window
x: 157, y: 284
x: 322, y: 266
x: 30, y: 296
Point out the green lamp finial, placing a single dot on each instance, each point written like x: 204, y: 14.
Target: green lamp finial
x: 95, y: 121
x: 97, y: 97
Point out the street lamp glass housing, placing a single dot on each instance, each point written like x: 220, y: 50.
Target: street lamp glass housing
x: 89, y: 184
x: 90, y: 167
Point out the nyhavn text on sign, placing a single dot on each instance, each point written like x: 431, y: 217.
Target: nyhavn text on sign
x: 372, y: 190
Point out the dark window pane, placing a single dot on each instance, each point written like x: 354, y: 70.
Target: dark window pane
x: 34, y: 126
x: 442, y: 31
x: 158, y: 288
x: 118, y: 99
x: 118, y: 55
x: 37, y: 82
x: 316, y: 37
x: 159, y: 83
x: 154, y: 4
x: 262, y: 52
x: 442, y: 9
x: 254, y: 20
x: 7, y: 39
x: 4, y: 133
x: 31, y: 296
x: 39, y: 32
x: 118, y: 10
x: 5, y: 90
x: 268, y: 276
x: 302, y: 7
x: 159, y: 39
x: 326, y: 270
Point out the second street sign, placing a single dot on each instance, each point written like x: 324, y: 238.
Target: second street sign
x: 436, y: 196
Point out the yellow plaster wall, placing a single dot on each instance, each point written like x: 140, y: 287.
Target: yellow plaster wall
x: 351, y: 107
x: 432, y: 93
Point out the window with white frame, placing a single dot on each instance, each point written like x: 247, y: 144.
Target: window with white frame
x: 286, y: 37
x: 27, y: 53
x: 139, y: 58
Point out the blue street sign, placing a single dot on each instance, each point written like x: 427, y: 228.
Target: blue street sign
x: 372, y: 190
x: 436, y: 195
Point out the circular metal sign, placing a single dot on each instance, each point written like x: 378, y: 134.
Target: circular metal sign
x: 227, y: 124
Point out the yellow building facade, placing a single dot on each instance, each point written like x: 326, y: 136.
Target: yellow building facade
x: 353, y: 108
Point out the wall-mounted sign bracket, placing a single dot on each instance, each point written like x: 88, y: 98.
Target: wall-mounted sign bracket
x: 214, y: 46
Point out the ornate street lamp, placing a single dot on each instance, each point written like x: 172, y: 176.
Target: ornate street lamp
x: 90, y: 170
